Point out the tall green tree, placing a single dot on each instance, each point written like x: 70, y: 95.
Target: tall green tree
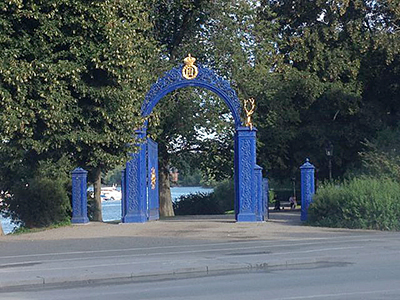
x: 326, y: 61
x: 72, y: 77
x: 211, y: 32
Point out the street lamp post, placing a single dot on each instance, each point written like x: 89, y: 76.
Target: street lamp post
x: 329, y: 154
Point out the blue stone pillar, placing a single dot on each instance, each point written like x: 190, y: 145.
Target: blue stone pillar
x: 123, y: 191
x: 135, y: 185
x: 245, y: 162
x: 265, y: 198
x: 259, y: 193
x: 307, y: 188
x: 79, y: 196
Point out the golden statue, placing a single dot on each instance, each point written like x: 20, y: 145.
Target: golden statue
x: 189, y: 71
x: 249, y: 107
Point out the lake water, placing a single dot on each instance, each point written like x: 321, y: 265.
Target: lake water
x: 112, y: 209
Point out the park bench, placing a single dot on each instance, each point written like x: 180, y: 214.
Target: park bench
x: 282, y: 205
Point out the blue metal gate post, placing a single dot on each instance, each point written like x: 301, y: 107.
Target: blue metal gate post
x: 265, y: 188
x: 245, y: 162
x: 259, y: 193
x: 135, y: 184
x: 123, y: 191
x: 152, y: 180
x: 307, y: 188
x: 79, y: 196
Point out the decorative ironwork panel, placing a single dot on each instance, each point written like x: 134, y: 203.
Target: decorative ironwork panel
x: 135, y: 183
x: 245, y: 161
x: 79, y: 196
x: 132, y: 169
x: 246, y: 189
x: 205, y: 78
x: 123, y: 193
x: 265, y: 198
x: 152, y: 180
x: 307, y: 188
x: 258, y: 187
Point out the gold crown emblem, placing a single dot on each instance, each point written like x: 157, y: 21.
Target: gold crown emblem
x: 189, y: 71
x: 189, y: 60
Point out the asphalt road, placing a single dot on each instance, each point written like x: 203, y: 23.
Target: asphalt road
x: 365, y: 277
x: 352, y: 265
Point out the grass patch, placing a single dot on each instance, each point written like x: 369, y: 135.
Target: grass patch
x: 23, y: 230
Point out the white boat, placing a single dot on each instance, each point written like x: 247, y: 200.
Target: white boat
x: 110, y: 193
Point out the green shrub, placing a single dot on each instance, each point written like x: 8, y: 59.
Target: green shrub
x: 193, y: 179
x: 197, y: 204
x: 224, y: 194
x: 39, y: 202
x: 381, y: 155
x: 271, y: 195
x: 363, y: 202
x: 114, y: 176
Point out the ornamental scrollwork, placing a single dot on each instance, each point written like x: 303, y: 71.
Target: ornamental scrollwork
x: 76, y: 196
x: 207, y: 78
x: 246, y: 173
x: 133, y: 176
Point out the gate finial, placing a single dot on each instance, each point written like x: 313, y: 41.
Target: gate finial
x: 249, y: 111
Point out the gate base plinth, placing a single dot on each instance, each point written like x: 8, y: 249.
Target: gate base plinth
x: 134, y: 219
x: 79, y: 220
x: 246, y: 218
x: 260, y: 219
x: 154, y: 215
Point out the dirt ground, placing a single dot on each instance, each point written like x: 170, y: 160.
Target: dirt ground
x: 281, y: 224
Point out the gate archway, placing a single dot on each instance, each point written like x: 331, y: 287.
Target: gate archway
x: 140, y: 177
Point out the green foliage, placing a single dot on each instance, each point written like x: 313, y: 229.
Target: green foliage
x: 381, y: 157
x: 217, y: 202
x: 73, y: 74
x: 197, y: 204
x: 39, y: 202
x: 193, y: 125
x: 22, y: 230
x: 364, y: 202
x: 271, y: 196
x: 37, y: 192
x: 322, y: 66
x: 224, y: 194
x: 193, y: 179
x: 114, y: 176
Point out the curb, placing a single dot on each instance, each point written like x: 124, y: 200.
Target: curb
x: 181, y: 273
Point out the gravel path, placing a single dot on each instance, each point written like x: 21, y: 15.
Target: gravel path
x: 219, y: 227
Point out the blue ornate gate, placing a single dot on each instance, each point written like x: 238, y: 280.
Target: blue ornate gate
x: 248, y: 198
x: 152, y: 180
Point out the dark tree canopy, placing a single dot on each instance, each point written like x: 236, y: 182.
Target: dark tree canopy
x: 72, y: 77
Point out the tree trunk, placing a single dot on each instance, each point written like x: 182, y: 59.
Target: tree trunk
x: 1, y: 230
x: 166, y: 209
x: 97, y: 216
